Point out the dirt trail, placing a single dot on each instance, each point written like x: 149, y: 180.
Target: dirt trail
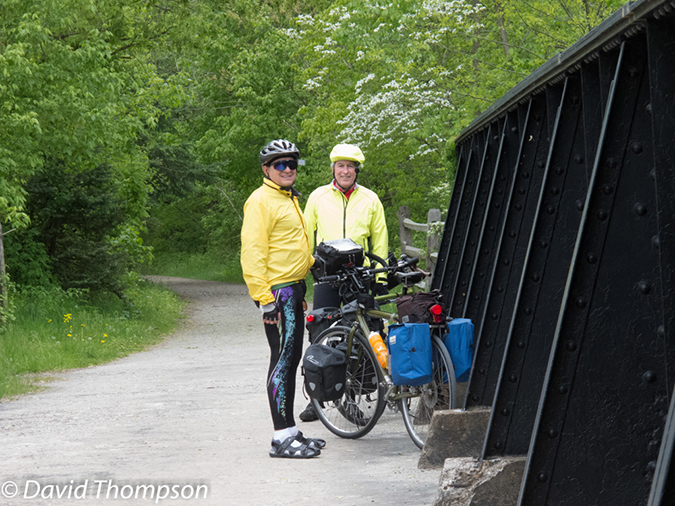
x: 192, y: 412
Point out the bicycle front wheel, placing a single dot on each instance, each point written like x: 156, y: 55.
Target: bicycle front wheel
x: 355, y: 414
x: 419, y: 403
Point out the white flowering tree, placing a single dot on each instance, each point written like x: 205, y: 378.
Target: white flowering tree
x: 402, y: 78
x: 378, y: 78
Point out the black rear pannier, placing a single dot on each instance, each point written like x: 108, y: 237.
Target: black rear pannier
x: 334, y: 255
x: 320, y: 319
x: 325, y: 371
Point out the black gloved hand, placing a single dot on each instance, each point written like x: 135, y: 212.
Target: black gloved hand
x: 380, y: 289
x: 318, y: 269
x: 270, y: 313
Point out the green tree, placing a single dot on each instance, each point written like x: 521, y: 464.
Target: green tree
x: 80, y: 92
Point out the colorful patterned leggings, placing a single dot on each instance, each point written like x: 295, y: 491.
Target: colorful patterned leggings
x: 285, y: 340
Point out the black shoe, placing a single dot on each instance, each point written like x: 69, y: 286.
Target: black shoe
x: 351, y: 411
x: 308, y: 415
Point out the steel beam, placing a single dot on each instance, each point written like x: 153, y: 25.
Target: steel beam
x: 605, y: 393
x: 505, y: 275
x: 467, y: 258
x: 547, y: 262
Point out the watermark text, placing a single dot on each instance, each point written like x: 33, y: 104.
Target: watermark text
x: 100, y: 489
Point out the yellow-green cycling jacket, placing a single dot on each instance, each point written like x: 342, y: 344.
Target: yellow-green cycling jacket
x: 274, y: 243
x: 330, y: 215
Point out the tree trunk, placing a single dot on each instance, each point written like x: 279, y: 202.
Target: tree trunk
x: 3, y: 277
x: 502, y: 33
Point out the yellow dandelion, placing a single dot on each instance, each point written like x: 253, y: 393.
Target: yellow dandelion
x: 103, y: 341
x: 70, y: 335
x: 105, y: 335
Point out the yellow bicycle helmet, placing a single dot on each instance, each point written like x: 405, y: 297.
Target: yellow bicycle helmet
x: 347, y: 152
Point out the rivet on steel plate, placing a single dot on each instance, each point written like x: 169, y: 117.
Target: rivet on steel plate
x: 649, y: 376
x: 640, y: 209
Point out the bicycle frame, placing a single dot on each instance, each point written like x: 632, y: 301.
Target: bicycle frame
x: 393, y: 393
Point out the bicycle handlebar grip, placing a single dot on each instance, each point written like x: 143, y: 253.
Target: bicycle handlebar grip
x: 411, y: 261
x: 328, y: 279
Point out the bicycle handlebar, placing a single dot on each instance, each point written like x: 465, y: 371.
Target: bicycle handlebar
x: 373, y: 256
x: 403, y: 263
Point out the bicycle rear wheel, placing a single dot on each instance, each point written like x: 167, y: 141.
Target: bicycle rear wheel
x: 355, y: 414
x: 440, y: 393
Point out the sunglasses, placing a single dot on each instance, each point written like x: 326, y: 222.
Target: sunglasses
x: 285, y: 164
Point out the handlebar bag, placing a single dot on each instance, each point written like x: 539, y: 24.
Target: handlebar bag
x: 325, y: 372
x: 410, y: 350
x: 337, y: 254
x: 459, y: 342
x: 415, y: 308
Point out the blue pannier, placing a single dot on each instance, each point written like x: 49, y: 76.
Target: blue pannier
x: 459, y: 342
x: 410, y: 350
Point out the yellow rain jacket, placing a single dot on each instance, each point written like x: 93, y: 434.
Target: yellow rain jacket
x: 330, y: 215
x: 274, y: 243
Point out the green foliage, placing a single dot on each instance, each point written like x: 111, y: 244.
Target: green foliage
x: 56, y: 330
x: 75, y: 215
x: 79, y: 92
x: 26, y: 257
x: 177, y: 226
x: 176, y: 98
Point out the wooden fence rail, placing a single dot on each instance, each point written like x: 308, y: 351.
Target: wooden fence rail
x: 406, y: 229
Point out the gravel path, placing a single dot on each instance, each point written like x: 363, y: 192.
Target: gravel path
x: 188, y: 416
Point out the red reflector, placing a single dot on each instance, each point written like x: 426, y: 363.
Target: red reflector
x: 436, y: 309
x: 310, y: 318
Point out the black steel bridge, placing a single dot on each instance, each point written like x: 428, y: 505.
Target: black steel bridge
x: 559, y: 244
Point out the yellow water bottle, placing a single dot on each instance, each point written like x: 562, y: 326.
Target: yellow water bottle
x: 379, y: 348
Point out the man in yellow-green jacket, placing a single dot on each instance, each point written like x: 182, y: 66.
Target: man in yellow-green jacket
x: 275, y: 259
x: 345, y: 209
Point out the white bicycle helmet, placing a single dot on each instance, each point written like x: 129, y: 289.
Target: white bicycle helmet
x: 276, y: 149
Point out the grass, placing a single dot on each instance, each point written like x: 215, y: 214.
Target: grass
x: 54, y: 330
x: 208, y: 266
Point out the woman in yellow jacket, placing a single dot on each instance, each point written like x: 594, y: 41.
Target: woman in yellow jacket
x: 275, y: 259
